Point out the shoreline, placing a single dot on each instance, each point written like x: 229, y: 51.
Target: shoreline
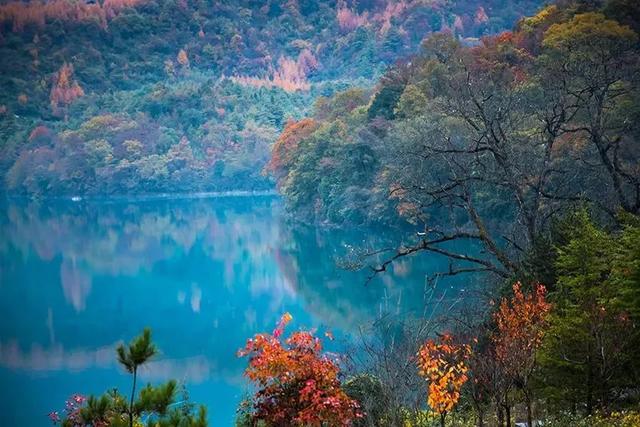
x: 147, y: 197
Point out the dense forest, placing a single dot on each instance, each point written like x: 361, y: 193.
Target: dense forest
x: 542, y: 116
x: 141, y: 96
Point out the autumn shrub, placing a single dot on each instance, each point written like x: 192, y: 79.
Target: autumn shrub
x: 521, y: 323
x: 443, y: 363
x: 296, y: 383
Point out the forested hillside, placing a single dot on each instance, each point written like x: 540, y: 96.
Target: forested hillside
x: 136, y: 96
x: 489, y: 144
x: 513, y: 130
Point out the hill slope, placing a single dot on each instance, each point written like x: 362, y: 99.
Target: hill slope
x: 132, y: 96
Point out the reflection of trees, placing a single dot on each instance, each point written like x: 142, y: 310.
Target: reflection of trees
x: 54, y: 358
x: 38, y: 359
x: 221, y: 269
x: 202, y: 266
x: 76, y: 283
x: 95, y: 239
x: 342, y: 298
x: 244, y: 242
x: 124, y: 239
x: 111, y: 238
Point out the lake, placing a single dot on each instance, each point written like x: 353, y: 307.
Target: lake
x: 76, y: 278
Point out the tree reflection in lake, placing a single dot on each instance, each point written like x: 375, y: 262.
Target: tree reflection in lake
x: 204, y: 274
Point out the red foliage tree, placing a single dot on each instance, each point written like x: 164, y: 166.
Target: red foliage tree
x: 443, y: 364
x: 183, y: 58
x: 296, y: 383
x: 521, y: 323
x: 290, y: 75
x: 65, y: 90
x: 40, y: 133
x: 500, y: 59
x: 481, y: 16
x: 348, y: 20
x: 284, y: 149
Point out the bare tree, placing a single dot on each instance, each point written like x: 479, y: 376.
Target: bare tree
x: 495, y: 156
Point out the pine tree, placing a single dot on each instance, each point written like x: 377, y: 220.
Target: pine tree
x: 155, y: 402
x: 137, y: 353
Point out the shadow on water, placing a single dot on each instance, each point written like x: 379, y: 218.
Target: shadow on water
x: 204, y: 274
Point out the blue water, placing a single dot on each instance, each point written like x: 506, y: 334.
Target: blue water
x: 76, y: 278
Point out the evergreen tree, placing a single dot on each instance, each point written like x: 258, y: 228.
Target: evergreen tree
x: 155, y: 403
x: 588, y: 357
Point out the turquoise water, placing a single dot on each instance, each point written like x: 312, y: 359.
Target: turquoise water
x: 76, y: 278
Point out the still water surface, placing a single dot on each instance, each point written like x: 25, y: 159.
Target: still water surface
x: 204, y: 274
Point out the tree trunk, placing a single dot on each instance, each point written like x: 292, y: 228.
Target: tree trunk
x: 589, y: 385
x: 442, y: 416
x: 499, y: 415
x: 597, y: 137
x: 507, y: 414
x: 529, y: 412
x: 133, y: 393
x: 480, y: 418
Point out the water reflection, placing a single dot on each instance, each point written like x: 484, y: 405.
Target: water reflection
x: 76, y: 278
